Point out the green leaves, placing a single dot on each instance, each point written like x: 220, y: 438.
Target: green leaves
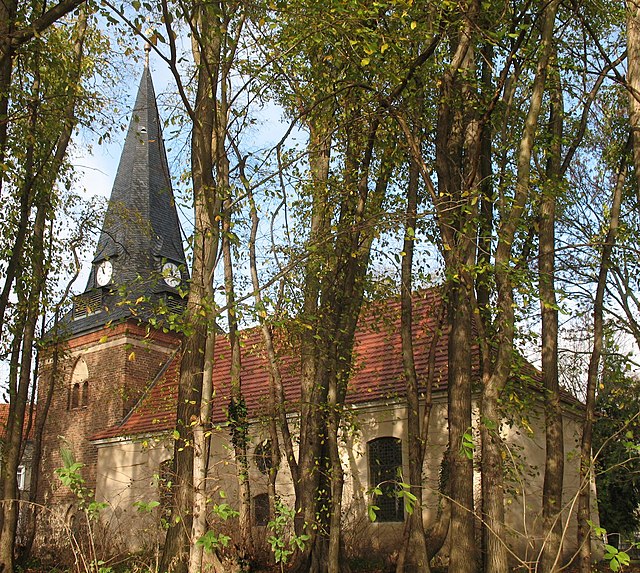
x: 224, y: 511
x: 467, y: 446
x: 281, y: 545
x: 146, y: 506
x: 615, y: 557
x: 210, y: 541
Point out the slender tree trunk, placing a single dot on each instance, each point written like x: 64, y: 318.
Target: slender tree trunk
x: 201, y: 444
x: 586, y: 476
x: 492, y: 470
x: 334, y: 564
x: 237, y: 408
x: 8, y: 12
x: 206, y: 203
x: 461, y: 529
x: 633, y: 81
x: 413, y: 554
x: 554, y: 434
x: 16, y: 420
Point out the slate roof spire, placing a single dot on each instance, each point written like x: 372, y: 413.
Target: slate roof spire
x: 141, y: 230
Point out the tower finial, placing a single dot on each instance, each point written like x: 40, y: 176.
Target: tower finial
x: 147, y: 49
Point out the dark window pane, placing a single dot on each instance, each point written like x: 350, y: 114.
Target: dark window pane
x: 85, y: 393
x: 75, y: 396
x: 385, y: 467
x: 261, y: 509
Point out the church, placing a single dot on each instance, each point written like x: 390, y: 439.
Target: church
x: 112, y: 388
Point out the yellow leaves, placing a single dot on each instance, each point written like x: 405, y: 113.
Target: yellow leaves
x: 131, y: 357
x: 384, y: 48
x: 414, y: 24
x: 365, y: 61
x: 103, y: 339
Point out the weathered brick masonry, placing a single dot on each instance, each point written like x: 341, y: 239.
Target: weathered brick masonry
x: 121, y: 362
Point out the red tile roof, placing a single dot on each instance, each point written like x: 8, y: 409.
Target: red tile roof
x: 4, y: 417
x: 377, y: 370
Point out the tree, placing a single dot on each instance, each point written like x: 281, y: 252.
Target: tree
x: 34, y: 172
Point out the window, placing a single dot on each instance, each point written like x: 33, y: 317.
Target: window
x: 75, y: 396
x: 261, y: 509
x: 385, y: 467
x: 79, y: 389
x: 85, y: 393
x: 20, y: 477
x: 165, y: 481
x: 263, y: 457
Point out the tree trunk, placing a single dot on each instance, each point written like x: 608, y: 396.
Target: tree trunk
x: 413, y: 554
x: 206, y: 202
x: 459, y: 238
x: 201, y: 444
x: 493, y: 385
x: 237, y: 410
x: 13, y: 446
x: 584, y: 494
x: 463, y: 552
x: 554, y: 434
x: 633, y: 81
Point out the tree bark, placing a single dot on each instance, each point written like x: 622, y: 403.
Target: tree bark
x: 633, y: 82
x: 554, y: 434
x: 206, y: 202
x: 458, y: 235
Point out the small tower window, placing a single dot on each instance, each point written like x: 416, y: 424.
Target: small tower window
x: 85, y: 393
x: 75, y: 396
x: 79, y: 386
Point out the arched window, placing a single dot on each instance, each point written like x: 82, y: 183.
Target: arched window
x: 79, y: 389
x: 385, y: 468
x: 263, y: 456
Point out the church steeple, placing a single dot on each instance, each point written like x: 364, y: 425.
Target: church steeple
x: 140, y: 251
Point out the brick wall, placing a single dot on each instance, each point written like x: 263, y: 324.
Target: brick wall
x: 120, y: 361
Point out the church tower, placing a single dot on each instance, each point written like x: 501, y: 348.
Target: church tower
x: 114, y: 341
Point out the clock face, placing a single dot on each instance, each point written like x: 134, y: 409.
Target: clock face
x: 171, y: 274
x: 103, y: 273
